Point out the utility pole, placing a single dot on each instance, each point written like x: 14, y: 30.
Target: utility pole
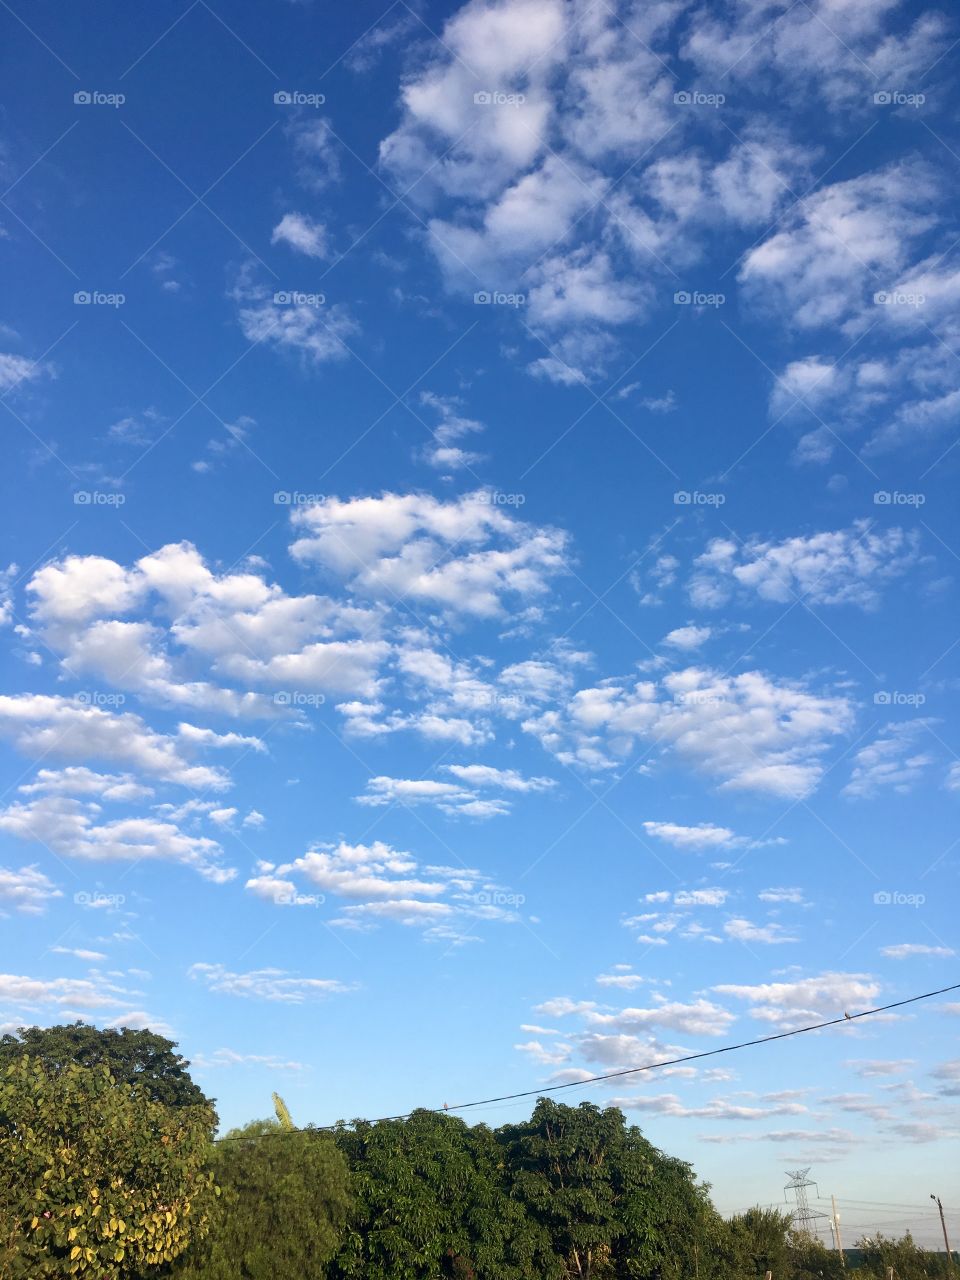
x: 835, y: 1223
x: 943, y: 1224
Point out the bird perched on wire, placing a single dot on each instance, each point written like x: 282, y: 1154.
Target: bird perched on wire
x: 847, y: 1016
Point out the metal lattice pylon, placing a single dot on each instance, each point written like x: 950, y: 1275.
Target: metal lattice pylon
x: 804, y: 1218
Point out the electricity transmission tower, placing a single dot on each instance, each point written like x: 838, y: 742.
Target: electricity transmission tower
x: 804, y: 1218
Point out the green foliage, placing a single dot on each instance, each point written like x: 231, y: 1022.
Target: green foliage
x: 139, y: 1058
x: 611, y: 1203
x: 811, y: 1260
x: 285, y: 1196
x: 432, y: 1200
x: 114, y: 1179
x: 909, y: 1261
x: 757, y: 1242
x: 97, y: 1179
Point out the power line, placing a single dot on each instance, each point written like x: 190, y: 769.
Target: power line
x: 627, y: 1071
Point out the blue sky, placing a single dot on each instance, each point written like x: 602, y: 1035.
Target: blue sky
x: 482, y: 538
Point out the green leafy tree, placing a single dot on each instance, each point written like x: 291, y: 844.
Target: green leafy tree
x: 810, y: 1259
x: 569, y: 1169
x: 909, y: 1261
x: 284, y: 1200
x: 139, y: 1058
x: 97, y: 1179
x: 432, y: 1200
x: 612, y: 1204
x: 758, y: 1241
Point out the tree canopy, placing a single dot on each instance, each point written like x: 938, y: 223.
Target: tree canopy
x: 108, y: 1172
x: 140, y: 1058
x: 97, y: 1178
x: 285, y: 1199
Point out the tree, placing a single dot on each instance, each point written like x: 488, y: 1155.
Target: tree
x: 432, y: 1200
x: 758, y: 1241
x: 812, y: 1260
x: 139, y: 1058
x: 612, y: 1204
x: 97, y: 1179
x: 285, y: 1196
x: 909, y: 1261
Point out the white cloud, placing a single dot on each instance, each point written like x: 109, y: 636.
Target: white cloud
x: 445, y: 453
x: 563, y: 1007
x: 466, y: 555
x: 848, y: 566
x: 68, y: 994
x: 624, y: 981
x: 80, y: 953
x: 688, y: 638
x: 72, y: 828
x: 748, y: 731
x: 703, y: 836
x: 77, y: 780
x: 231, y: 1058
x: 822, y: 265
x: 870, y: 1068
x: 302, y: 233
x: 548, y: 1055
x: 449, y: 797
x: 891, y: 762
x: 781, y: 895
x: 699, y: 1017
x: 266, y: 984
x: 905, y: 950
x: 791, y: 1004
x: 377, y: 881
x: 245, y: 628
x: 27, y: 890
x: 16, y: 370
x: 485, y: 775
x: 41, y: 725
x: 669, y: 1104
x: 746, y: 931
x: 315, y: 331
